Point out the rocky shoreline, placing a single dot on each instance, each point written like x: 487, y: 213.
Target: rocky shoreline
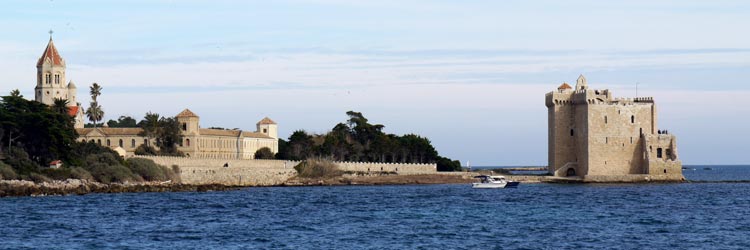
x: 378, y: 180
x: 79, y: 187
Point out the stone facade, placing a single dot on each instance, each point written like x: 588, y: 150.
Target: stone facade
x: 50, y: 83
x: 591, y: 134
x: 196, y: 142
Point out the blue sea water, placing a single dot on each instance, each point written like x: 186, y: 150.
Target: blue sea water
x: 711, y: 215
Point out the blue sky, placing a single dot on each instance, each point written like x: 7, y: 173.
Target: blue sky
x: 470, y: 75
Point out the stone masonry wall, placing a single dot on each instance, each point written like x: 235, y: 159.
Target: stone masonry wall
x: 266, y: 172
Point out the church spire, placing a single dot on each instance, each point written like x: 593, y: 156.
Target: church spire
x: 51, y: 54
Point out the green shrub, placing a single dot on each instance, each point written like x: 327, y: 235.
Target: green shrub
x: 317, y: 168
x: 112, y: 173
x: 57, y: 174
x: 81, y: 150
x: 143, y: 149
x: 19, y: 160
x: 264, y: 153
x: 108, y: 159
x: 446, y: 164
x: 149, y: 170
x: 7, y: 172
x: 81, y: 174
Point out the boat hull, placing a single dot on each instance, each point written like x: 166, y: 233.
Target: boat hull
x: 510, y: 184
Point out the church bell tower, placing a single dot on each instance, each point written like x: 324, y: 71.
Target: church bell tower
x: 50, y: 77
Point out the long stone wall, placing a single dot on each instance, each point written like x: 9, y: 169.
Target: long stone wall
x: 267, y: 172
x: 400, y: 168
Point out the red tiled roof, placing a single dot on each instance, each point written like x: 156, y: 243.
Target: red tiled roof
x: 266, y: 121
x: 55, y: 162
x: 565, y: 86
x: 51, y: 53
x: 232, y: 133
x: 112, y: 131
x: 73, y: 110
x: 186, y: 113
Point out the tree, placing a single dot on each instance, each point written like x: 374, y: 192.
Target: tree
x: 60, y: 106
x: 41, y: 132
x: 123, y: 122
x: 359, y: 140
x: 15, y: 93
x: 300, y: 145
x: 264, y: 153
x: 446, y: 164
x: 169, y: 136
x: 166, y: 131
x: 95, y: 113
x: 95, y: 90
x: 150, y: 125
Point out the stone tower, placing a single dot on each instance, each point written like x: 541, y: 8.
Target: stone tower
x: 190, y: 130
x: 50, y: 83
x: 595, y: 136
x: 268, y: 127
x: 50, y: 76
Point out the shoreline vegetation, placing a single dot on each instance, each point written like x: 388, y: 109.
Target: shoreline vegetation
x: 40, y: 153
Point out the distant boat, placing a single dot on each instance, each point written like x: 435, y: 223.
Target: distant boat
x: 493, y: 181
x: 708, y: 168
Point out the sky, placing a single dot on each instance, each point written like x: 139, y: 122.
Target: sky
x: 469, y: 75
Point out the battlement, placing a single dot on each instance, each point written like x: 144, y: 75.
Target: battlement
x: 622, y: 100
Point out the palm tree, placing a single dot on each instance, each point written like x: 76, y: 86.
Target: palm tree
x: 96, y: 91
x: 60, y: 106
x: 150, y: 125
x: 94, y: 113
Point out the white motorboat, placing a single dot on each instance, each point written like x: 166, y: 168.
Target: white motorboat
x: 493, y: 181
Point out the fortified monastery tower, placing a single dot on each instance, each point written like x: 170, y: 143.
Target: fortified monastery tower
x: 595, y: 137
x: 50, y: 83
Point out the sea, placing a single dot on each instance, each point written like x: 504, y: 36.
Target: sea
x: 710, y: 212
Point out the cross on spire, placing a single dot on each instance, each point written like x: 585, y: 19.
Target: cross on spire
x: 50, y: 33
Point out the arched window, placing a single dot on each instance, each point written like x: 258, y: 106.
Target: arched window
x: 632, y: 119
x: 184, y: 126
x: 120, y: 144
x: 99, y: 141
x: 571, y: 132
x: 108, y: 144
x: 658, y: 152
x: 605, y: 119
x: 132, y: 143
x: 145, y: 142
x: 187, y: 142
